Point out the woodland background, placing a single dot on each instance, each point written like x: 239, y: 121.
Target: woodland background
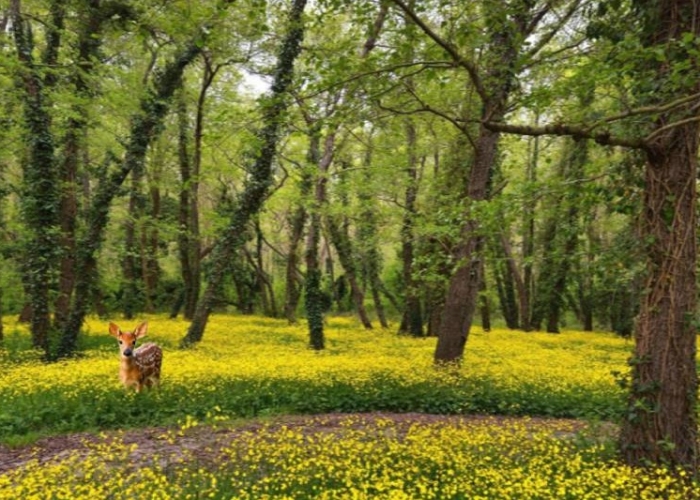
x: 530, y: 163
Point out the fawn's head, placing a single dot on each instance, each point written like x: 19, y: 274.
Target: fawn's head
x: 127, y: 340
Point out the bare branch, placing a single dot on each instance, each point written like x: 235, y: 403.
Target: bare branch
x: 665, y: 128
x: 376, y: 29
x: 567, y: 130
x: 387, y: 69
x: 547, y: 37
x: 645, y: 110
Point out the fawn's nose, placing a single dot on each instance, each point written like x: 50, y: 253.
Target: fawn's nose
x: 127, y: 352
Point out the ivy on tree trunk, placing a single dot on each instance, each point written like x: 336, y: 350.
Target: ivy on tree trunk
x: 40, y: 192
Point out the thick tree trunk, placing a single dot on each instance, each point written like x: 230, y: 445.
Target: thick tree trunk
x: 661, y: 422
x: 89, y: 43
x: 463, y: 287
x: 257, y: 185
x: 40, y: 197
x: 313, y: 296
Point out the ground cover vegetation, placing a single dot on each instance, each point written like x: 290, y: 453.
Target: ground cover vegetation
x: 426, y: 166
x: 252, y: 366
x: 256, y: 366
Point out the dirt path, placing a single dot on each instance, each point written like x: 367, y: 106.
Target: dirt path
x: 203, y: 441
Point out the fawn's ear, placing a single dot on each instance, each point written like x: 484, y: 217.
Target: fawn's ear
x: 140, y: 331
x: 114, y: 330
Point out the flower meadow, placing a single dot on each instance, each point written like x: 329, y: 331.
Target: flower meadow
x: 250, y: 367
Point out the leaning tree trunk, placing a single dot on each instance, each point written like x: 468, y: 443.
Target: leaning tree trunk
x: 463, y: 287
x: 660, y: 424
x: 257, y: 185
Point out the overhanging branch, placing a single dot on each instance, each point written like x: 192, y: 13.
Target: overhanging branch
x: 567, y: 130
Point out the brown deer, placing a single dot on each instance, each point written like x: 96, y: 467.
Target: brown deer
x: 139, y: 367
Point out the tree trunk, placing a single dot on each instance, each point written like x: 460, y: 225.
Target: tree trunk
x: 485, y: 308
x: 264, y: 279
x: 257, y: 185
x: 89, y: 43
x: 661, y: 423
x: 412, y: 321
x: 529, y: 236
x: 463, y: 286
x: 150, y: 242
x: 293, y: 281
x: 314, y: 303
x: 505, y: 282
x: 193, y: 245
x: 341, y: 242
x: 132, y: 289
x: 40, y: 197
x: 313, y: 296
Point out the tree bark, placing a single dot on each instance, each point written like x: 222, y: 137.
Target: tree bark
x: 257, y: 185
x: 190, y: 246
x: 299, y: 218
x: 313, y: 295
x: 529, y: 237
x: 40, y: 197
x: 412, y: 320
x: 463, y: 286
x: 132, y: 289
x: 661, y: 422
x: 508, y: 282
x: 73, y: 147
x: 292, y: 280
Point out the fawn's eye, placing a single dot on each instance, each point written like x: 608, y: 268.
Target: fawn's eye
x: 120, y: 342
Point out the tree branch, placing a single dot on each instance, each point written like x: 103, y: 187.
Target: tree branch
x: 447, y: 47
x: 563, y: 129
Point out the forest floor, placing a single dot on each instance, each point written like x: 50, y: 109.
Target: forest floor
x: 168, y: 445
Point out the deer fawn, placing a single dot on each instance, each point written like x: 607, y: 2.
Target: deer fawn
x: 139, y: 367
